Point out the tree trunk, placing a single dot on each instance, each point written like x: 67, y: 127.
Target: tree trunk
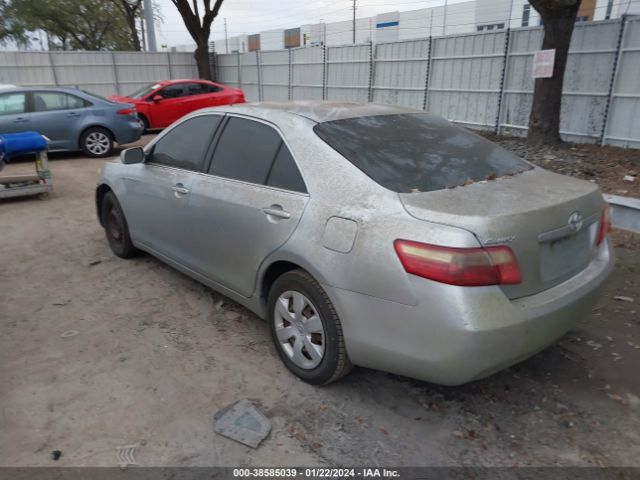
x: 544, y: 122
x: 202, y: 59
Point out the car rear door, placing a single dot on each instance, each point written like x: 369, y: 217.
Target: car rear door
x: 157, y: 192
x: 14, y: 116
x: 246, y: 206
x: 58, y: 116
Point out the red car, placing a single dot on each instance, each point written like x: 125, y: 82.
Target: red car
x: 162, y: 103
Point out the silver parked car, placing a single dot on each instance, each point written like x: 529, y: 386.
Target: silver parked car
x: 365, y: 235
x: 72, y: 119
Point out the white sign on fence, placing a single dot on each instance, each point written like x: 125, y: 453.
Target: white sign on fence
x: 543, y: 63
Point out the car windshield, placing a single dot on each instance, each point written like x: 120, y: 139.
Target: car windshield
x: 144, y: 91
x: 418, y: 152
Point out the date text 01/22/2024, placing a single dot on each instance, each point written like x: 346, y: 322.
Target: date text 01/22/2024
x: 315, y: 472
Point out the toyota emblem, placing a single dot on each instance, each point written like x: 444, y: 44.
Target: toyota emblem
x: 575, y: 221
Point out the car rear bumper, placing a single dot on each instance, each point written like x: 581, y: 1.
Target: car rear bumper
x: 459, y: 334
x: 128, y: 132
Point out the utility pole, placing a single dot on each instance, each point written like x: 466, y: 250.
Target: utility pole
x: 226, y: 39
x: 354, y: 21
x: 151, y: 29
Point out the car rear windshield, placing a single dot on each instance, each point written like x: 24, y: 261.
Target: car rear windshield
x: 417, y: 152
x: 144, y: 91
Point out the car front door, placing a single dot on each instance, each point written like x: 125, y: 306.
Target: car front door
x: 58, y: 116
x: 14, y: 117
x: 157, y: 191
x: 247, y: 205
x: 166, y: 111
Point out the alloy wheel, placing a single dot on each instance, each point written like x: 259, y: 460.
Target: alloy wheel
x: 98, y: 143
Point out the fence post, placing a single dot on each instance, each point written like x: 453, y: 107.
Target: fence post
x: 169, y: 65
x: 503, y: 77
x: 425, y: 101
x: 612, y: 82
x: 53, y: 69
x: 372, y: 71
x: 239, y: 70
x: 324, y: 72
x: 115, y: 72
x: 290, y: 89
x: 259, y: 72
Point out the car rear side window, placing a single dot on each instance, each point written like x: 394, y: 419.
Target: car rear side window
x: 13, y: 103
x: 245, y: 151
x: 49, y: 101
x: 186, y: 145
x: 417, y: 152
x: 284, y: 172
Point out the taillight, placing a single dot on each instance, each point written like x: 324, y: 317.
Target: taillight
x: 605, y: 225
x: 459, y: 266
x: 126, y: 111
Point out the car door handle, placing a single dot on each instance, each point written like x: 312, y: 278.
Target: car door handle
x: 179, y: 188
x: 73, y: 114
x: 276, y: 211
x: 21, y: 120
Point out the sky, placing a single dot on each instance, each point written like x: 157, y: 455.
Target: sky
x: 253, y: 16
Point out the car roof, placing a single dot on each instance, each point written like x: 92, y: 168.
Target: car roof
x: 181, y: 80
x: 317, y: 110
x: 14, y: 88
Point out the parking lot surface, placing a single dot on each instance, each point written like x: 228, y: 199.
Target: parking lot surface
x: 97, y: 352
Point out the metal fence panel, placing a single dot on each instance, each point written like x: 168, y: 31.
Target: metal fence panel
x: 307, y: 73
x: 26, y: 68
x: 348, y: 72
x: 102, y: 73
x: 623, y: 128
x: 275, y: 74
x: 586, y: 83
x: 400, y: 73
x: 249, y: 76
x: 465, y: 77
x: 228, y: 69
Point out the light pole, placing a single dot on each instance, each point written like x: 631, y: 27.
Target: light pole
x: 151, y: 29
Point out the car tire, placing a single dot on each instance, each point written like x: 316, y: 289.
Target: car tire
x: 116, y: 228
x: 96, y: 142
x: 314, y: 350
x: 145, y: 123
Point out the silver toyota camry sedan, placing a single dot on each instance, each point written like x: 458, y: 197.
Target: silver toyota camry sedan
x: 365, y: 235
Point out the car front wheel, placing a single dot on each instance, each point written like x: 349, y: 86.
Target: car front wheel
x: 116, y: 228
x: 306, y: 329
x: 97, y: 142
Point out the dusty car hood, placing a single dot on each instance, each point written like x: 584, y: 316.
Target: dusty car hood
x: 521, y: 211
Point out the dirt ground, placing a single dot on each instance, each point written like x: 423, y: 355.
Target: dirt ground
x: 616, y: 170
x: 98, y: 353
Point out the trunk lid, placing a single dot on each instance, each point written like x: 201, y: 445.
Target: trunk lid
x: 530, y: 212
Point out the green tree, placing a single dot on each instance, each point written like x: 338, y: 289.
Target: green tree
x: 11, y: 28
x: 131, y: 10
x: 76, y: 24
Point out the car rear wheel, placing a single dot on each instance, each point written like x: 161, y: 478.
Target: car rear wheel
x: 97, y: 142
x: 116, y: 228
x: 144, y: 122
x: 306, y: 329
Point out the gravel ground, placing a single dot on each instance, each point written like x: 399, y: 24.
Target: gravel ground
x: 606, y: 166
x: 98, y: 352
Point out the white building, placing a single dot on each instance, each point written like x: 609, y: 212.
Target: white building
x: 446, y: 19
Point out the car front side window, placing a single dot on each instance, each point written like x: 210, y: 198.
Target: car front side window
x: 185, y: 145
x: 13, y: 103
x: 172, y: 91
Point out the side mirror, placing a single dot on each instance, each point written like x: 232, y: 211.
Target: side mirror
x: 158, y: 98
x: 132, y: 155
